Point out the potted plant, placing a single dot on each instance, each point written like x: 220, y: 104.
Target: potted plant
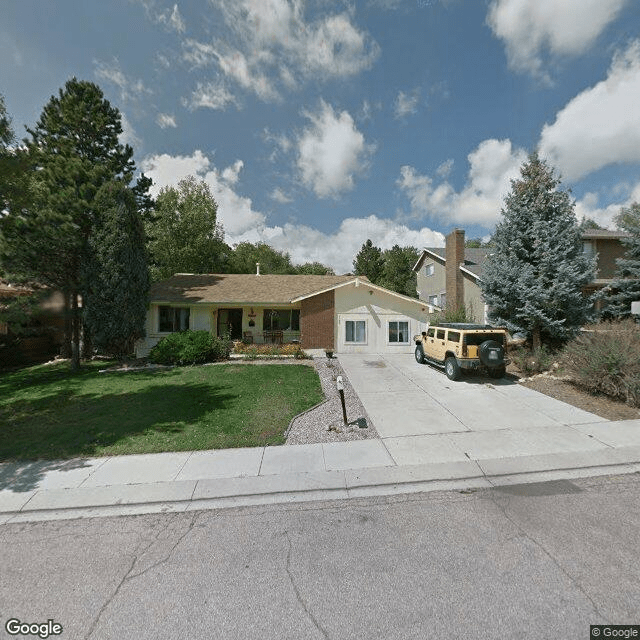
x: 329, y: 352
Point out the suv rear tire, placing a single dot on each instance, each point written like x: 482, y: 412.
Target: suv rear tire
x: 419, y: 354
x: 488, y: 348
x: 452, y: 368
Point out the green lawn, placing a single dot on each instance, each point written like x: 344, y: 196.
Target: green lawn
x: 48, y: 412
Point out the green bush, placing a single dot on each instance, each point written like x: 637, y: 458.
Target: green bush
x: 530, y: 362
x: 190, y: 347
x: 607, y: 360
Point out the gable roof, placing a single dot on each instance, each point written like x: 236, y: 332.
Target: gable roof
x: 236, y: 288
x: 474, y: 259
x: 604, y: 234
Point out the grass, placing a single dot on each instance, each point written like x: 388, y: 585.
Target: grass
x: 47, y: 412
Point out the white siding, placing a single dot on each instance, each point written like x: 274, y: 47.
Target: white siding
x: 377, y: 309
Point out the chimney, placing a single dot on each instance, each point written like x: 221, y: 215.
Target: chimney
x: 454, y: 256
x: 257, y: 268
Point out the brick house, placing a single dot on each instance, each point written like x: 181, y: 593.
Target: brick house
x: 343, y: 313
x: 450, y: 277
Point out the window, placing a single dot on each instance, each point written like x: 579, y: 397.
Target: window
x: 399, y: 332
x: 172, y: 319
x: 453, y: 336
x: 440, y: 334
x: 428, y: 270
x: 433, y: 300
x: 443, y: 300
x: 356, y: 331
x: 432, y: 332
x: 587, y: 248
x: 281, y: 320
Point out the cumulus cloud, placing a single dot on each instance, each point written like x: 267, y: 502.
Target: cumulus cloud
x: 280, y: 196
x: 493, y: 164
x: 406, y: 104
x: 589, y: 205
x: 601, y: 125
x: 305, y: 244
x: 164, y: 120
x: 130, y: 89
x: 270, y: 44
x: 331, y: 151
x: 210, y: 95
x: 531, y: 28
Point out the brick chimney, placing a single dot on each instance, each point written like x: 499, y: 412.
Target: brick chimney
x: 454, y: 256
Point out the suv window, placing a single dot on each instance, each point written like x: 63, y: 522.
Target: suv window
x: 440, y: 334
x: 476, y: 339
x: 431, y: 333
x: 453, y: 336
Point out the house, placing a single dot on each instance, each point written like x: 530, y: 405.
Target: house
x: 347, y: 314
x: 450, y: 277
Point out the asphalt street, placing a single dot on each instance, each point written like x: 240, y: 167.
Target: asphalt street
x: 522, y: 561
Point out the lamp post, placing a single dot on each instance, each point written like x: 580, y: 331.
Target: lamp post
x: 340, y: 385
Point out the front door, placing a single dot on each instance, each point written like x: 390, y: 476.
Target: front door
x: 230, y: 323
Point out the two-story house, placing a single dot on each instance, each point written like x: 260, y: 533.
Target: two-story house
x: 450, y: 276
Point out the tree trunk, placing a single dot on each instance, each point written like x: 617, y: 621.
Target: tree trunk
x: 75, y: 344
x: 537, y: 343
x: 65, y: 351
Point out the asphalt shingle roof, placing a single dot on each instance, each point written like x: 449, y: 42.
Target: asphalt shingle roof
x: 236, y: 288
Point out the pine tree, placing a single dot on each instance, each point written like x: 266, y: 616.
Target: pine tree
x: 369, y: 262
x: 117, y: 276
x: 626, y: 287
x: 74, y: 149
x: 533, y: 280
x: 397, y: 271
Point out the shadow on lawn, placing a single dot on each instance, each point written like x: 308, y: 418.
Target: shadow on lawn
x: 71, y: 425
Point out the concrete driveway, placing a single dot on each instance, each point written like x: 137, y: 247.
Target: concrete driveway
x: 419, y: 412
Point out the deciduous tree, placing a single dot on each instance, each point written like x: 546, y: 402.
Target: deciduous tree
x: 369, y: 262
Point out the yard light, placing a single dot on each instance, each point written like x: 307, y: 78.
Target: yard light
x: 340, y: 386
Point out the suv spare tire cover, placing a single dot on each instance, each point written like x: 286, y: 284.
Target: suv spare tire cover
x: 491, y: 353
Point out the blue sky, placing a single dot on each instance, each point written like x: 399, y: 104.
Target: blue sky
x: 319, y: 124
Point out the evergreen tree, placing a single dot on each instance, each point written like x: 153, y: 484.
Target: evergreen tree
x: 117, y: 277
x: 397, y: 271
x: 534, y: 278
x: 369, y: 262
x: 626, y: 287
x: 75, y: 149
x: 184, y: 235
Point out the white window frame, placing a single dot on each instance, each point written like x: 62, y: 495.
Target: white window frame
x: 355, y: 332
x: 397, y: 322
x: 429, y: 269
x: 433, y: 299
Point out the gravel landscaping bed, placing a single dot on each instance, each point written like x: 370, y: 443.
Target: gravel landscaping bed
x: 324, y: 423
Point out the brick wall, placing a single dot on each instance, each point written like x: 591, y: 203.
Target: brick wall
x: 454, y: 256
x: 316, y: 321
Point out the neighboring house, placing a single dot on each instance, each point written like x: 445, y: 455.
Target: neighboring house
x: 450, y: 277
x: 342, y: 313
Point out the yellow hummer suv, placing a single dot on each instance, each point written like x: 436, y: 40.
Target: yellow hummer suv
x: 459, y: 346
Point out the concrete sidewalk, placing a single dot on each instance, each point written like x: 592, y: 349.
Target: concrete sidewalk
x: 168, y: 482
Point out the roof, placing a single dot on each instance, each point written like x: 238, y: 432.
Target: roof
x: 243, y: 288
x: 604, y: 234
x: 474, y: 258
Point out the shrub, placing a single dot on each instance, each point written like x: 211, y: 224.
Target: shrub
x: 462, y: 313
x: 530, y: 362
x: 607, y: 360
x: 254, y: 350
x: 190, y: 347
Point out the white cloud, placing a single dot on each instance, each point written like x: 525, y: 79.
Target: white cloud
x: 129, y: 89
x: 210, y: 96
x: 280, y: 196
x: 164, y: 120
x: 305, y: 244
x: 444, y: 170
x: 172, y: 19
x: 530, y: 28
x: 128, y: 135
x: 493, y: 164
x: 273, y: 44
x: 601, y: 125
x: 406, y: 104
x: 331, y: 152
x: 589, y: 206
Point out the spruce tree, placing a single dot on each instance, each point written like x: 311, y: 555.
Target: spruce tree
x: 117, y: 277
x: 626, y: 286
x: 369, y: 262
x: 533, y: 279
